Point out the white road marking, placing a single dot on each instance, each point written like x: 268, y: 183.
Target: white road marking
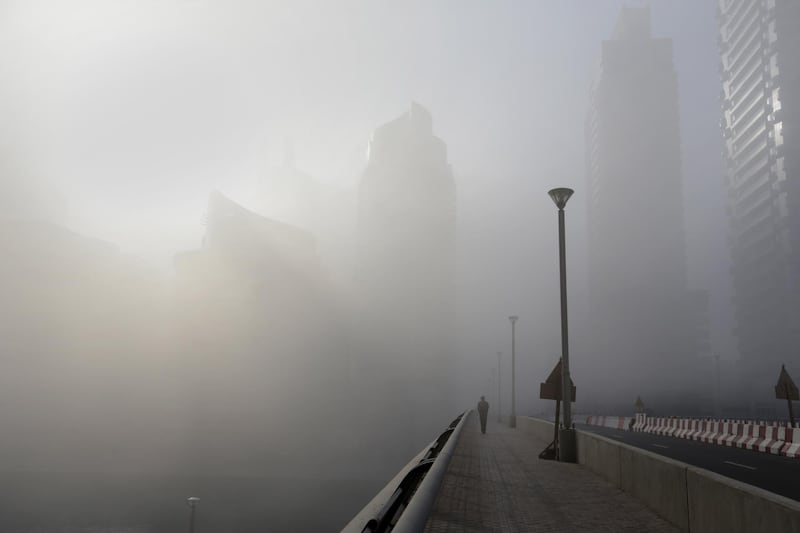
x: 661, y: 446
x: 743, y: 466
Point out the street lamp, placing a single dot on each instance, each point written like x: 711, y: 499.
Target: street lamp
x: 499, y: 380
x: 512, y: 421
x: 192, y: 502
x: 717, y: 407
x: 567, y: 451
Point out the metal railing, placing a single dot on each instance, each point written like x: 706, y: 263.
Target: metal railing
x: 407, y: 507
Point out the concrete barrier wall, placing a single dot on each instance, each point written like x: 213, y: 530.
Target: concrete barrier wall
x: 599, y: 456
x: 657, y: 481
x: 693, y: 499
x: 717, y: 503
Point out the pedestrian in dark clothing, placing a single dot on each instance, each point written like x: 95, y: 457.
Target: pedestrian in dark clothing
x: 483, y: 412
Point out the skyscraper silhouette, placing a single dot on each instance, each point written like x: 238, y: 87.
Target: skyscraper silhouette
x: 406, y: 255
x: 645, y: 323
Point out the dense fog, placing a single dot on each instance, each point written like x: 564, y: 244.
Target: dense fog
x: 263, y: 252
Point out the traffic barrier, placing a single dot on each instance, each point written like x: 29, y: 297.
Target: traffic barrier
x: 613, y: 422
x: 734, y: 434
x: 771, y: 441
x: 690, y: 498
x: 777, y: 438
x: 699, y: 429
x: 686, y: 427
x: 791, y: 443
x: 695, y: 429
x: 725, y: 433
x: 759, y: 432
x: 711, y: 431
x: 746, y: 435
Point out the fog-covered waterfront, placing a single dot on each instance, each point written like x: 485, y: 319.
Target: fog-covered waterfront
x: 262, y: 253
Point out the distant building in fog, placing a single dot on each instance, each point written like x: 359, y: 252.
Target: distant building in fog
x: 760, y: 66
x: 288, y: 194
x: 249, y: 259
x: 260, y: 332
x: 405, y: 264
x: 647, y: 328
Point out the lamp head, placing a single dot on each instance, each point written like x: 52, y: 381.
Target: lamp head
x: 560, y: 196
x: 513, y: 318
x: 192, y: 500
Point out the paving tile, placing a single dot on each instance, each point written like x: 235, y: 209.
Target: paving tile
x: 497, y: 483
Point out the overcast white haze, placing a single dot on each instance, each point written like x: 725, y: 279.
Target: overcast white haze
x: 132, y: 111
x: 119, y: 118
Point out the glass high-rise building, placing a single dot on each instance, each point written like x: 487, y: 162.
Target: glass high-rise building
x: 760, y: 67
x: 645, y: 324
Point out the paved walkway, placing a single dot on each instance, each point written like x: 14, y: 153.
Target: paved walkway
x: 496, y: 482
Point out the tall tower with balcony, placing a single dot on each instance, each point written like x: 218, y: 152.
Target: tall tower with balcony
x: 760, y: 69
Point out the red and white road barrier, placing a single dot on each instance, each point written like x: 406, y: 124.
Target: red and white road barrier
x: 698, y: 430
x: 686, y: 427
x: 757, y: 432
x: 736, y: 432
x: 725, y: 433
x: 712, y: 430
x: 772, y: 442
x: 777, y: 438
x: 791, y: 447
x: 614, y: 422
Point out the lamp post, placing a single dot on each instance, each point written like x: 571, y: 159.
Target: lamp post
x: 718, y: 404
x: 512, y: 420
x: 499, y: 389
x: 192, y: 502
x: 567, y: 451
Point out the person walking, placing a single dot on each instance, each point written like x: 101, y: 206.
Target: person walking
x: 483, y: 412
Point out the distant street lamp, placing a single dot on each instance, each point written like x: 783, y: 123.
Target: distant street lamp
x: 192, y: 502
x: 717, y: 402
x: 499, y: 388
x: 567, y: 450
x: 494, y: 377
x: 512, y: 421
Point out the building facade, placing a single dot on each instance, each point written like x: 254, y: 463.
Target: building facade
x: 405, y: 267
x: 645, y: 323
x: 760, y: 70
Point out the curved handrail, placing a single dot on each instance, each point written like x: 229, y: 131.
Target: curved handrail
x: 419, y: 508
x: 413, y: 490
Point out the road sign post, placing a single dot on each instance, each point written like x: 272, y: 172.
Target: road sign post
x: 787, y: 390
x: 639, y: 405
x: 551, y: 390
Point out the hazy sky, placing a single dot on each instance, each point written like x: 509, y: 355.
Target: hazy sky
x: 135, y: 110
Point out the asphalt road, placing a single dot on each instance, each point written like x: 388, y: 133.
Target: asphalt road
x: 774, y: 473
